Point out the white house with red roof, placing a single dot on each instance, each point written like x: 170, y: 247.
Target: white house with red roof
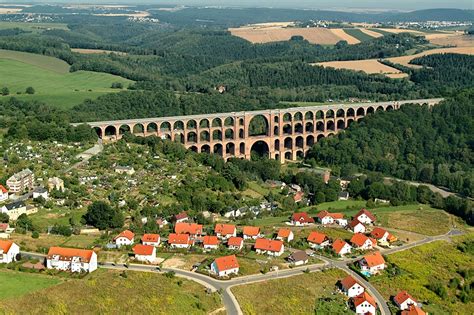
x: 235, y: 243
x: 363, y: 242
x: 413, y: 310
x: 350, y: 287
x: 382, y: 235
x: 180, y: 240
x: 225, y: 231
x: 125, y: 238
x: 341, y: 248
x: 301, y: 219
x: 318, y: 240
x: 285, y: 235
x: 9, y: 252
x: 3, y: 193
x: 356, y: 226
x: 210, y: 242
x: 181, y: 217
x: 225, y: 266
x: 144, y: 253
x: 364, y: 304
x: 251, y: 232
x: 325, y: 217
x: 364, y: 216
x: 71, y: 259
x: 403, y: 300
x: 372, y: 263
x: 269, y: 247
x: 193, y: 229
x: 151, y: 239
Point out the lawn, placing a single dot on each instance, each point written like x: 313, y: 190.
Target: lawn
x: 107, y: 292
x: 49, y: 217
x: 437, y: 261
x: 293, y: 295
x: 51, y: 80
x: 15, y: 284
x: 338, y: 205
x: 357, y: 33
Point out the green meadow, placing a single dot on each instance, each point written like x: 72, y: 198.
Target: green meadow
x: 15, y: 284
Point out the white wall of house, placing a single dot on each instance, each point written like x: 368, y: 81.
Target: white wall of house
x: 249, y: 237
x: 123, y: 241
x: 210, y: 247
x: 73, y: 265
x: 174, y: 245
x: 231, y: 247
x: 372, y: 270
x: 318, y: 246
x: 359, y: 228
x: 406, y: 304
x: 364, y: 219
x: 10, y: 256
x: 223, y: 273
x: 327, y: 220
x: 341, y: 222
x: 365, y: 308
x: 3, y: 196
x: 147, y: 258
x: 367, y: 245
x: 271, y: 253
x: 155, y: 244
x: 355, y: 290
x: 346, y: 249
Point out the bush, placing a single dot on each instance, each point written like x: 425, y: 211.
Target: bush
x: 35, y: 234
x: 5, y: 91
x: 30, y: 90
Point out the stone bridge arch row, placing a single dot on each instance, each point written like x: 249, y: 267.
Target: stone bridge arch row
x: 228, y: 134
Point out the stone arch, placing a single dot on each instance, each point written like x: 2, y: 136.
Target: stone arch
x: 370, y: 110
x: 309, y: 127
x: 192, y: 137
x: 165, y: 126
x: 179, y: 137
x: 277, y: 145
x: 241, y: 134
x: 319, y: 114
x: 329, y: 114
x: 229, y: 121
x: 350, y: 112
x: 349, y: 122
x: 389, y: 108
x: 308, y: 116
x: 204, y: 123
x: 191, y: 124
x: 241, y: 121
x: 310, y: 140
x: 319, y: 138
x: 166, y: 136
x: 217, y: 122
x: 360, y: 111
x: 341, y: 124
x: 287, y: 129
x: 320, y: 126
x: 299, y: 128
x: 98, y: 131
x: 230, y: 148
x: 193, y: 148
x: 330, y: 125
x: 288, y: 144
x: 205, y: 136
x: 340, y: 113
x: 152, y: 127
x: 218, y: 149
x: 138, y: 128
x: 229, y: 134
x: 242, y: 148
x: 276, y: 119
x: 299, y: 142
x: 380, y: 109
x: 258, y: 126
x: 300, y: 154
x: 124, y: 129
x: 217, y: 135
x: 206, y: 149
x: 288, y: 156
x: 286, y: 117
x: 178, y: 125
x: 260, y: 148
x: 298, y: 116
x: 276, y: 131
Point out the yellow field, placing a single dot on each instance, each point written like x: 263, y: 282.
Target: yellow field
x: 458, y: 40
x: 404, y: 60
x: 369, y: 66
x: 96, y: 51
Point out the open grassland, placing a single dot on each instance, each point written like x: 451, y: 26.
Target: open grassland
x: 458, y: 40
x: 359, y: 34
x: 52, y: 82
x: 15, y: 284
x: 33, y: 27
x: 40, y: 61
x: 45, y: 241
x: 106, y: 292
x: 405, y: 60
x: 294, y: 295
x: 49, y: 217
x: 369, y: 66
x: 438, y: 261
x: 371, y: 33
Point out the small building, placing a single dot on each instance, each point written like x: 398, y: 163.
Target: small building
x: 235, y: 243
x: 125, y: 238
x: 237, y: 213
x: 21, y: 181
x: 161, y: 222
x: 40, y: 192
x: 193, y: 229
x: 298, y: 258
x: 129, y: 170
x: 151, y: 240
x: 225, y: 266
x: 341, y: 248
x: 181, y: 217
x: 382, y: 235
x: 356, y: 226
x: 301, y: 219
x: 318, y: 240
x: 225, y: 231
x: 210, y: 242
x: 372, y: 263
x: 71, y: 259
x: 145, y: 253
x: 269, y: 247
x: 285, y: 235
x: 298, y: 196
x: 364, y: 304
x: 364, y: 216
x: 14, y: 209
x: 343, y: 195
x: 3, y: 193
x: 251, y: 232
x: 350, y: 287
x: 363, y: 242
x: 325, y: 217
x: 403, y: 300
x: 55, y: 183
x: 180, y: 241
x: 413, y: 310
x: 9, y: 252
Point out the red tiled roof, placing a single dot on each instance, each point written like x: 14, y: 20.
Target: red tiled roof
x: 127, y: 234
x: 268, y: 245
x: 374, y: 259
x: 226, y: 262
x: 402, y: 297
x: 338, y: 245
x: 354, y: 223
x: 3, y: 189
x: 317, y: 238
x: 234, y: 241
x: 145, y: 250
x: 178, y: 239
x: 251, y: 230
x: 302, y: 217
x: 180, y: 216
x: 150, y: 238
x: 298, y: 196
x: 367, y: 213
x: 359, y: 239
x: 5, y: 246
x: 284, y: 233
x: 378, y: 233
x: 325, y: 213
x: 348, y: 282
x: 224, y: 229
x: 210, y: 240
x: 363, y: 297
x: 413, y: 310
x: 188, y: 228
x: 68, y: 253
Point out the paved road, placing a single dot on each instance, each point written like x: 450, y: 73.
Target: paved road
x: 86, y: 155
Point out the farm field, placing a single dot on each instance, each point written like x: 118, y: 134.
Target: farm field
x: 404, y: 60
x: 294, y: 295
x: 438, y: 261
x: 45, y: 241
x: 16, y: 284
x: 106, y: 291
x: 51, y: 80
x: 33, y: 27
x: 96, y: 51
x: 359, y: 34
x: 458, y: 40
x: 369, y: 66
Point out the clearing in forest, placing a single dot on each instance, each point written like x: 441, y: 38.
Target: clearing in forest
x: 369, y: 66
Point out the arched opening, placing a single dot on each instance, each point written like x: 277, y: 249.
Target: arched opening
x: 138, y: 128
x: 330, y: 114
x: 288, y: 144
x: 217, y: 122
x: 217, y: 135
x: 166, y: 136
x: 298, y: 116
x: 192, y: 137
x: 152, y: 127
x: 350, y: 112
x: 229, y: 134
x: 320, y: 126
x: 178, y: 125
x: 287, y: 117
x: 380, y: 109
x: 205, y: 136
x: 218, y: 149
x: 309, y: 141
x: 241, y: 121
x: 319, y: 138
x: 165, y: 126
x: 349, y: 122
x: 276, y: 119
x: 309, y: 127
x: 288, y: 156
x: 330, y: 125
x: 319, y: 114
x: 287, y: 129
x: 260, y: 149
x: 370, y: 110
x: 242, y: 148
x: 98, y: 131
x: 205, y: 149
x: 229, y: 121
x: 230, y: 148
x: 124, y: 129
x: 308, y: 116
x: 241, y: 134
x: 204, y: 123
x: 341, y: 124
x: 360, y: 111
x: 194, y: 148
x: 389, y: 108
x: 299, y: 142
x: 258, y: 126
x: 191, y: 124
x: 299, y: 155
x: 277, y: 157
x: 340, y: 113
x: 298, y: 128
x: 276, y: 131
x: 179, y: 137
x: 277, y: 145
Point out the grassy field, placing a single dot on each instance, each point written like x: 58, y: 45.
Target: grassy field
x: 294, y: 295
x: 15, y: 284
x: 106, y: 292
x: 51, y: 79
x: 45, y: 241
x: 33, y: 27
x: 357, y: 33
x: 438, y: 261
x: 49, y: 217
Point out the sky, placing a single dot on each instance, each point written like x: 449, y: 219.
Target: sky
x: 402, y: 5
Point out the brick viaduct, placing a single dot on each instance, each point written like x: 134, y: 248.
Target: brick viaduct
x: 289, y: 132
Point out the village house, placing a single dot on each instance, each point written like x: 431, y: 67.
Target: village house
x: 318, y: 240
x: 151, y: 239
x: 350, y: 287
x: 382, y: 235
x: 14, y: 209
x: 225, y: 266
x: 298, y: 258
x: 144, y: 253
x: 413, y: 310
x: 356, y: 226
x: 301, y: 219
x: 125, y: 238
x: 3, y: 194
x: 55, y: 183
x: 362, y: 242
x: 364, y: 304
x: 193, y: 229
x: 235, y: 243
x: 285, y: 235
x: 372, y: 263
x: 71, y: 259
x: 343, y: 195
x: 181, y: 217
x: 325, y: 217
x: 403, y: 300
x: 251, y: 232
x: 225, y: 231
x: 298, y: 196
x: 129, y: 170
x: 180, y: 241
x: 161, y: 222
x: 236, y: 213
x: 210, y: 242
x: 40, y: 192
x: 9, y: 252
x: 341, y: 248
x: 4, y: 227
x: 364, y: 216
x: 21, y: 181
x: 269, y: 247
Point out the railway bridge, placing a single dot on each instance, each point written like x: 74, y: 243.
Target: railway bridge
x: 282, y: 134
